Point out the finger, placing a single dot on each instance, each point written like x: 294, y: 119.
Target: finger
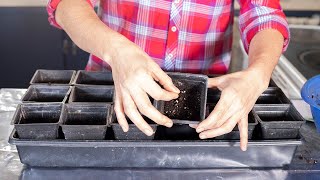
x: 164, y: 79
x: 224, y: 129
x: 243, y: 128
x: 146, y: 108
x: 194, y: 126
x: 156, y: 92
x: 118, y: 108
x: 132, y: 112
x: 217, y: 115
x: 214, y: 82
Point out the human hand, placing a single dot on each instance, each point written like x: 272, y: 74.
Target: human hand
x: 239, y: 92
x: 135, y: 75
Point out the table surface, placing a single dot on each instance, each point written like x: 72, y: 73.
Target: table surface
x: 304, y: 164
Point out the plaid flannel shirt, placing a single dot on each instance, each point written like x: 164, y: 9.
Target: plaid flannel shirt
x: 185, y: 35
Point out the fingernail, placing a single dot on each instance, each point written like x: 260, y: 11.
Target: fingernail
x: 125, y: 129
x: 193, y: 126
x: 176, y: 89
x: 199, y: 130
x: 169, y: 124
x: 244, y: 148
x: 202, y: 136
x: 148, y: 132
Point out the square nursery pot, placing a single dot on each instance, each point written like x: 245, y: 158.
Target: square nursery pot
x: 37, y: 120
x: 235, y: 133
x: 93, y: 78
x: 92, y: 93
x: 134, y: 132
x: 53, y: 77
x: 46, y: 93
x: 189, y: 107
x: 85, y: 121
x: 279, y: 122
x: 273, y: 95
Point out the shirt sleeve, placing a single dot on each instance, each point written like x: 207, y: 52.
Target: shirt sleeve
x: 51, y: 8
x: 257, y: 15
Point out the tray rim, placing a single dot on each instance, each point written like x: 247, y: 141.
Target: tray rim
x: 148, y: 143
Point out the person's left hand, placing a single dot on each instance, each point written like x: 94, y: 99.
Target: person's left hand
x: 239, y: 92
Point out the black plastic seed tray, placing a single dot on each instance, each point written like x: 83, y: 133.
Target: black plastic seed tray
x: 92, y: 93
x: 37, y: 120
x: 154, y: 153
x: 42, y: 76
x: 273, y: 95
x: 278, y: 121
x: 190, y: 106
x: 46, y: 93
x: 93, y: 78
x: 81, y: 121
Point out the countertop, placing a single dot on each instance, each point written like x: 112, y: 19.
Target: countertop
x: 304, y: 165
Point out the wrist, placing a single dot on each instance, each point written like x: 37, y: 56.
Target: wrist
x: 259, y: 76
x: 113, y: 50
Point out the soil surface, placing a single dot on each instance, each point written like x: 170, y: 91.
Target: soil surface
x: 187, y: 106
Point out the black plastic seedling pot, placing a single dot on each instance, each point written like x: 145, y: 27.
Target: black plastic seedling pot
x: 93, y: 78
x: 134, y: 133
x: 46, y: 93
x: 279, y: 122
x: 53, y: 77
x: 37, y: 120
x: 85, y: 121
x: 91, y: 93
x: 273, y: 95
x: 189, y: 107
x: 235, y: 133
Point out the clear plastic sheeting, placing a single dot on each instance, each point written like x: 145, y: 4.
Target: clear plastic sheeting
x: 10, y: 98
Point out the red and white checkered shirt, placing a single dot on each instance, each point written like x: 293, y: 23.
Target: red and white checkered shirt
x: 186, y: 35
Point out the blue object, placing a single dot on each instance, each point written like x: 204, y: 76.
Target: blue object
x: 310, y: 93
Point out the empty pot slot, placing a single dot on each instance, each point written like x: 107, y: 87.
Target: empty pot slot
x: 279, y: 122
x: 94, y: 78
x: 37, y: 120
x: 92, y: 94
x: 273, y: 96
x: 44, y: 93
x: 190, y: 105
x: 53, y: 76
x: 209, y: 109
x: 177, y: 132
x: 213, y: 95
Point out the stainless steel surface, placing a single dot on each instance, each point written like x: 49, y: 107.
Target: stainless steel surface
x: 304, y: 164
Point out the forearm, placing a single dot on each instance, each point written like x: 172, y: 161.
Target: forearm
x: 85, y: 28
x: 264, y: 52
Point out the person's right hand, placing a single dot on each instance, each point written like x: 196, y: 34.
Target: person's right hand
x: 135, y: 77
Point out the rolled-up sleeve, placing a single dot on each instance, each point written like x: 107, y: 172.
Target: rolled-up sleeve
x: 51, y: 9
x: 257, y: 15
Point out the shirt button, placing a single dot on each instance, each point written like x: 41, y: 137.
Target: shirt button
x: 174, y: 29
x: 170, y: 56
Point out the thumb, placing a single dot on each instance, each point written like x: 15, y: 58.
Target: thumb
x: 163, y: 78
